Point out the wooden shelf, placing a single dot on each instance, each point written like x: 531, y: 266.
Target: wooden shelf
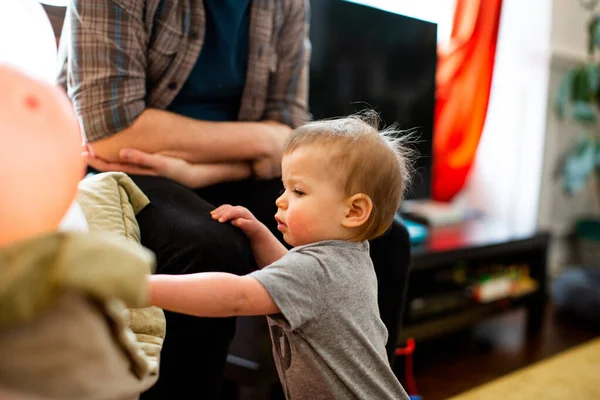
x: 446, y: 323
x: 477, y: 242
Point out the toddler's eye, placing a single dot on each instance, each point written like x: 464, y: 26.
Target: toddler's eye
x: 299, y: 193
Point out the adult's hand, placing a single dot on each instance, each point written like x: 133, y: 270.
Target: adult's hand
x: 190, y: 175
x: 101, y: 165
x: 269, y: 166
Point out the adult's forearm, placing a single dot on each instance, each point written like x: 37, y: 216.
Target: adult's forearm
x: 159, y: 131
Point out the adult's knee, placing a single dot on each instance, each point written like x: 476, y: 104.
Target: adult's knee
x: 178, y: 228
x: 208, y: 246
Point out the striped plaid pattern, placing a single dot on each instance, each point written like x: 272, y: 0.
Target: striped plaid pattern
x: 119, y: 57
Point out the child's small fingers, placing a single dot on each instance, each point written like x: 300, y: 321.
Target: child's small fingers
x: 219, y: 212
x: 227, y: 215
x: 220, y: 208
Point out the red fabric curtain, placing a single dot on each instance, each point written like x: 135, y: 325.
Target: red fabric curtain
x: 463, y: 82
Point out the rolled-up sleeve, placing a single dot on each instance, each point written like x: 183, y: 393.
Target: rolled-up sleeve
x: 287, y: 100
x: 102, y: 63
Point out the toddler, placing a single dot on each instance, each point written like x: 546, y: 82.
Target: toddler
x: 343, y: 183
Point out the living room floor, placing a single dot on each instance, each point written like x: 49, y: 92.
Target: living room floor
x: 492, y: 349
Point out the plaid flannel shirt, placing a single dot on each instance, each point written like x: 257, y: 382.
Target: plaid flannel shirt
x: 119, y: 57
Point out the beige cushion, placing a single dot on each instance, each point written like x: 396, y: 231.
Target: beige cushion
x: 110, y: 202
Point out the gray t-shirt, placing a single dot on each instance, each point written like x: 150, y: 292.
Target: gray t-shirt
x: 329, y: 341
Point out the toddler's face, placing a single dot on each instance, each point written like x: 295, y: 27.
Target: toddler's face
x: 312, y: 206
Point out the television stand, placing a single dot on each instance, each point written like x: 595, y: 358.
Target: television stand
x: 440, y: 299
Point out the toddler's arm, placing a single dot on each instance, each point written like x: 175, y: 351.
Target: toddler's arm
x: 210, y: 294
x: 265, y: 246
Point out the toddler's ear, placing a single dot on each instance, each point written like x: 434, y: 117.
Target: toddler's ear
x: 359, y: 208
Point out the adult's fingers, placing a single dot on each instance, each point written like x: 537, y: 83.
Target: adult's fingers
x: 104, y: 166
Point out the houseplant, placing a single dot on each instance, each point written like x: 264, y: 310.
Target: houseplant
x: 578, y: 99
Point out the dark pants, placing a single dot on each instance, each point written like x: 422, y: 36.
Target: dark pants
x: 178, y: 228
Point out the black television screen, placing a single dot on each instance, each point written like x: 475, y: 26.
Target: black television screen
x: 364, y: 57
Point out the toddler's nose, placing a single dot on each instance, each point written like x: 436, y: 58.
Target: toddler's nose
x: 281, y: 202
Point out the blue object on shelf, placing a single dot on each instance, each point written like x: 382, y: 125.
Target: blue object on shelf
x: 414, y: 397
x: 417, y: 232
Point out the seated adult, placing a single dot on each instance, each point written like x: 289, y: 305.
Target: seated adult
x: 217, y: 84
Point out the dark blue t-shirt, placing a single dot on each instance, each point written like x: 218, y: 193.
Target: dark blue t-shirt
x: 214, y: 88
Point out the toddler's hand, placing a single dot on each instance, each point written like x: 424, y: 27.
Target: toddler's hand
x: 239, y: 216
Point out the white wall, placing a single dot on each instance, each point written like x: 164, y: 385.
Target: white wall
x: 440, y: 12
x: 505, y: 182
x: 569, y: 27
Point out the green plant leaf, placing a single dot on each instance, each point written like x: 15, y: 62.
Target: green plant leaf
x: 583, y: 112
x: 564, y: 92
x: 593, y: 77
x: 579, y: 164
x: 597, y: 163
x: 582, y: 90
x: 579, y: 85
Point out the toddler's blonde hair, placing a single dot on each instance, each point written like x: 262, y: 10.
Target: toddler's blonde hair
x: 376, y: 163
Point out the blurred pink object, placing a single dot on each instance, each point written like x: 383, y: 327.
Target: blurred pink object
x: 40, y: 141
x: 40, y: 156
